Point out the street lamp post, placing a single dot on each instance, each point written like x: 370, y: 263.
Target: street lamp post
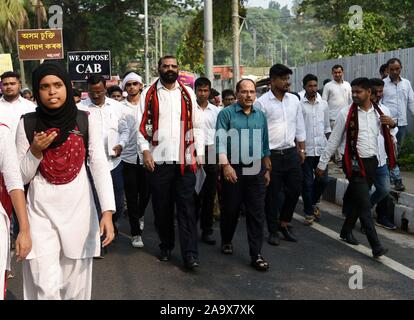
x: 236, y: 44
x: 158, y: 37
x: 208, y: 38
x: 147, y: 80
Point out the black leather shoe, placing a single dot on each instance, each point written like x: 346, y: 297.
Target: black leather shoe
x: 190, y: 263
x: 349, y: 238
x: 165, y: 255
x: 380, y: 252
x: 273, y: 239
x: 208, y: 238
x: 288, y: 234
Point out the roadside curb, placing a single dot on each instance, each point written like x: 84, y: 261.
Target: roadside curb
x: 404, y: 202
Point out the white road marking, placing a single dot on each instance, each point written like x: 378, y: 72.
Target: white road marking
x: 402, y: 239
x: 125, y: 235
x: 390, y: 263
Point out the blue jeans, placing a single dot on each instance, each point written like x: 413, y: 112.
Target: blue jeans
x: 313, y: 186
x: 395, y: 173
x: 382, y: 185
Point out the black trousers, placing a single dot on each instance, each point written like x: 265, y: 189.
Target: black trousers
x: 286, y: 175
x: 250, y: 190
x: 357, y: 202
x: 204, y: 202
x: 170, y: 189
x: 137, y: 194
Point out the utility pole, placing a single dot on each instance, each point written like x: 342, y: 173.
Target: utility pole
x: 147, y: 78
x: 254, y: 46
x: 241, y: 50
x: 281, y: 51
x: 208, y: 39
x: 161, y: 54
x: 22, y: 74
x: 236, y: 42
x: 286, y: 52
x: 38, y: 14
x: 39, y: 19
x: 156, y: 41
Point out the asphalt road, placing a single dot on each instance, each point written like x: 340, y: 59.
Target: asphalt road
x: 317, y: 267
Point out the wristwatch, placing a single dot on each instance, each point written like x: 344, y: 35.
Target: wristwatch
x: 302, y: 150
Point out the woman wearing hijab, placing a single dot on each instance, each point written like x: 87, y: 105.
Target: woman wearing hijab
x: 11, y: 194
x: 64, y: 226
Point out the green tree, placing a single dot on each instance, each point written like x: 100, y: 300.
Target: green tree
x: 191, y: 52
x: 114, y: 25
x: 275, y: 28
x: 14, y: 14
x: 374, y: 36
x: 398, y: 13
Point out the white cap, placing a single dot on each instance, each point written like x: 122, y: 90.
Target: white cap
x: 130, y: 77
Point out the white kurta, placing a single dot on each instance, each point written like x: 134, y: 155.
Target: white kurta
x: 63, y: 218
x: 11, y: 112
x: 10, y: 169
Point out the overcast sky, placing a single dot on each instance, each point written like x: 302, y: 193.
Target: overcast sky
x: 265, y: 3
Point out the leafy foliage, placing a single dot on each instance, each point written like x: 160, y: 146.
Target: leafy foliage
x: 387, y: 24
x: 191, y: 51
x: 376, y: 35
x: 406, y: 158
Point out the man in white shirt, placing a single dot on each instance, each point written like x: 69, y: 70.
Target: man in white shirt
x: 316, y: 117
x: 12, y: 108
x: 398, y: 97
x: 171, y: 136
x: 205, y: 200
x: 338, y: 94
x: 360, y: 160
x: 115, y: 134
x: 287, y: 146
x: 12, y: 105
x: 302, y: 95
x: 135, y: 176
x: 381, y: 197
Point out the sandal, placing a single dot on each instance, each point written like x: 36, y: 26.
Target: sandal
x: 260, y: 263
x: 227, y: 248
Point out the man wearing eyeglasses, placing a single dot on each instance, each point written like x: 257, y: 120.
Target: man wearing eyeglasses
x: 171, y: 136
x: 135, y: 176
x: 115, y: 134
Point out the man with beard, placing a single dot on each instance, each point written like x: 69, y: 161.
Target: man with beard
x: 170, y: 137
x: 135, y: 176
x: 398, y: 97
x: 316, y: 116
x: 287, y: 146
x: 356, y: 131
x: 12, y: 105
x: 381, y: 197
